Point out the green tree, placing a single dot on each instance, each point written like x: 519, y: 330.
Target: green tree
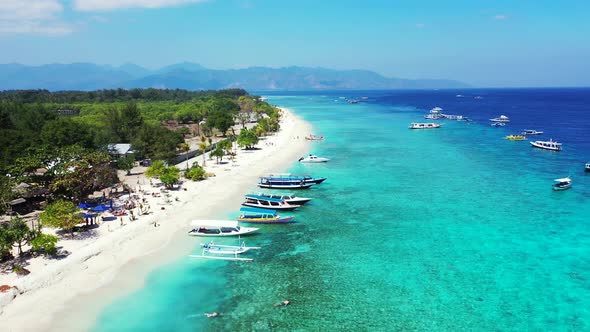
x: 184, y: 148
x: 246, y: 104
x: 19, y: 232
x: 247, y: 138
x: 203, y: 148
x: 218, y: 153
x: 195, y: 173
x: 64, y: 132
x: 156, y: 169
x: 6, y: 242
x: 170, y: 176
x: 61, y: 214
x: 45, y: 243
x: 220, y: 120
x: 126, y: 163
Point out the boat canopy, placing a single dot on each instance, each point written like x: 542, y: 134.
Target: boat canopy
x: 255, y: 210
x: 214, y: 223
x: 264, y: 198
x: 563, y: 180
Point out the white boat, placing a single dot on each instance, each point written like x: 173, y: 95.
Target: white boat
x: 219, y: 228
x: 562, y: 184
x: 421, y: 125
x: 531, y: 132
x: 313, y: 159
x: 224, y: 251
x: 501, y: 118
x: 264, y: 202
x: 587, y: 167
x: 547, y: 145
x: 288, y: 197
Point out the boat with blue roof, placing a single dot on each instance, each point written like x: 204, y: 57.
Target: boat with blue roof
x: 264, y: 202
x: 262, y: 216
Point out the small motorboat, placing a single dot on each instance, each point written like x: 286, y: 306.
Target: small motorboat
x: 547, y: 145
x: 501, y: 118
x: 562, y: 184
x: 531, y: 132
x: 516, y: 137
x: 313, y: 159
x: 260, y: 216
x: 219, y: 228
x: 420, y: 125
x: 498, y: 124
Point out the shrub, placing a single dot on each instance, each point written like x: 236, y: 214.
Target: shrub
x: 45, y: 243
x: 195, y: 173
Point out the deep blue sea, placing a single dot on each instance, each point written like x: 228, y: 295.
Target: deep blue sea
x: 452, y: 229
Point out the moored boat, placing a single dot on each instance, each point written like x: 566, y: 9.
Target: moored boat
x: 288, y: 197
x: 562, y: 184
x: 260, y: 216
x: 516, y: 137
x: 271, y: 183
x: 224, y: 252
x: 219, y: 228
x: 297, y: 177
x: 547, y: 145
x: 501, y: 118
x: 263, y: 202
x: 313, y: 159
x: 531, y: 132
x: 421, y: 125
x: 312, y: 137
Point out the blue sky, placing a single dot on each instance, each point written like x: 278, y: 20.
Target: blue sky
x: 484, y: 43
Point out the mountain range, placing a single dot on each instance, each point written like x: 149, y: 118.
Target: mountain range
x: 191, y: 76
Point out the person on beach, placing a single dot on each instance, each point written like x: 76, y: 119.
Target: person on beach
x: 283, y: 303
x: 211, y: 315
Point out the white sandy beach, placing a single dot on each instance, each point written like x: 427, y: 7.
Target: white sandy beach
x: 67, y: 294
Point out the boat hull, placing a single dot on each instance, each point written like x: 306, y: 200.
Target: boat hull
x: 266, y: 220
x: 212, y: 233
x: 285, y: 186
x: 561, y: 188
x: 311, y: 161
x: 271, y: 207
x: 301, y: 201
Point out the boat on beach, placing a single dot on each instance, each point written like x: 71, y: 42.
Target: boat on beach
x: 501, y: 118
x: 219, y: 228
x: 261, y: 216
x: 263, y: 202
x: 531, y: 132
x: 421, y: 125
x: 516, y: 137
x: 313, y: 159
x: 562, y: 184
x: 288, y: 197
x: 314, y: 137
x: 547, y: 145
x: 224, y: 252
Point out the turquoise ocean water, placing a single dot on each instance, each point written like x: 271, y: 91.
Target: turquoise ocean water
x: 454, y: 229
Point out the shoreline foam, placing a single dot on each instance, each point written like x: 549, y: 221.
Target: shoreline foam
x: 76, y: 288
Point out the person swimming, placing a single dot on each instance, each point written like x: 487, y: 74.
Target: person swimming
x: 283, y: 303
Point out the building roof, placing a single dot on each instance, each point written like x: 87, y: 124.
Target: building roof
x: 120, y: 148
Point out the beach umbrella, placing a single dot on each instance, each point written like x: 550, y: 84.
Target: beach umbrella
x: 100, y: 208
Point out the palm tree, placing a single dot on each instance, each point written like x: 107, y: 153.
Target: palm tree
x: 210, y: 140
x: 203, y: 148
x: 184, y: 148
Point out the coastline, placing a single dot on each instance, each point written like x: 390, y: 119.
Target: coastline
x: 76, y: 288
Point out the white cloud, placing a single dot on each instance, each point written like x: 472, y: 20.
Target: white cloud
x: 500, y: 17
x: 104, y: 5
x: 32, y: 16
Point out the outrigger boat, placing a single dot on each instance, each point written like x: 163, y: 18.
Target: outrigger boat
x: 547, y: 145
x: 272, y: 183
x: 562, y: 184
x: 516, y: 137
x: 420, y: 125
x: 224, y: 251
x: 289, y: 198
x: 268, y: 203
x: 297, y: 177
x: 219, y: 228
x: 531, y: 132
x: 260, y: 216
x: 313, y: 159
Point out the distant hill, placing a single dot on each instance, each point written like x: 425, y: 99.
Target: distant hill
x: 191, y: 76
